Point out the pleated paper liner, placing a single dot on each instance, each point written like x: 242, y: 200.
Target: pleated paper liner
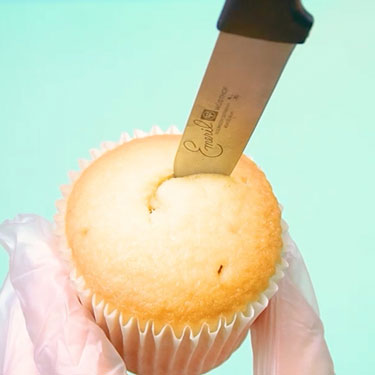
x: 145, y: 351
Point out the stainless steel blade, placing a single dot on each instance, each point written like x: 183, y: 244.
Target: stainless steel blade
x: 238, y: 82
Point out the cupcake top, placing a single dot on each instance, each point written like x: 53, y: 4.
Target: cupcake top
x: 178, y: 251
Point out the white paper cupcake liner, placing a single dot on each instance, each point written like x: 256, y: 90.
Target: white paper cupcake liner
x: 144, y: 351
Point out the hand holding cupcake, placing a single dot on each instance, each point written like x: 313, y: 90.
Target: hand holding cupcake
x: 174, y: 271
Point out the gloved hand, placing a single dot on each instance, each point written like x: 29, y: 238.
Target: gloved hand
x: 44, y: 329
x: 288, y: 337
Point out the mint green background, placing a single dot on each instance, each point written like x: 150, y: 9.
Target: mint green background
x: 75, y: 73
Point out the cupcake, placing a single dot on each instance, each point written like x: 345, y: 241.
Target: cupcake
x: 173, y: 269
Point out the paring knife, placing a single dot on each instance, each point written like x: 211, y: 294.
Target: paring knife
x: 255, y: 41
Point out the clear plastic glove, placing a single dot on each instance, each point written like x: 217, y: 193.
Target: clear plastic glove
x: 288, y: 337
x: 44, y: 329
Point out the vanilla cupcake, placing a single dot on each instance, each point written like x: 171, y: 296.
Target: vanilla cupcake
x: 173, y: 269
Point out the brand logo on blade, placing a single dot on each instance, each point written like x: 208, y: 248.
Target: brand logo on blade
x: 209, y: 147
x: 209, y: 115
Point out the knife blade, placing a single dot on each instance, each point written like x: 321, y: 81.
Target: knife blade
x: 255, y: 41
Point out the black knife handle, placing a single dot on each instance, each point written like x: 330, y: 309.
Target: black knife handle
x: 277, y: 20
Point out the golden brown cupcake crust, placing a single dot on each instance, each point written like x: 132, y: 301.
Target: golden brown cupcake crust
x: 178, y: 251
